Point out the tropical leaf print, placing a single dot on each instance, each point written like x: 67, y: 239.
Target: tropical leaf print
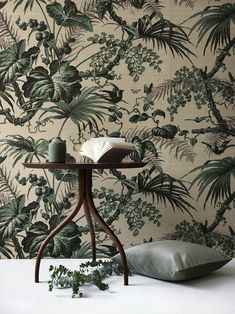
x: 63, y: 244
x: 216, y: 22
x: 29, y: 4
x: 18, y: 147
x: 15, y: 217
x: 92, y: 68
x: 8, y: 34
x: 84, y: 110
x: 216, y: 176
x: 69, y: 16
x: 15, y: 61
x: 6, y: 185
x: 62, y: 83
x: 164, y: 34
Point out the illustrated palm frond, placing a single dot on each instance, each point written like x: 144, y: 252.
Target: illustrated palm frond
x: 7, y: 185
x: 153, y: 160
x: 150, y: 7
x: 216, y: 22
x: 89, y: 5
x: 90, y: 9
x: 216, y: 177
x: 164, y: 188
x: 180, y: 148
x: 28, y: 4
x: 19, y: 146
x: 165, y: 35
x: 85, y: 110
x: 8, y: 34
x: 187, y: 3
x: 164, y: 89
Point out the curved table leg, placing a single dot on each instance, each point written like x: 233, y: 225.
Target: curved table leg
x: 62, y: 224
x: 106, y: 228
x: 90, y: 227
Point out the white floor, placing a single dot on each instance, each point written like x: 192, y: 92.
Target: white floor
x: 214, y: 294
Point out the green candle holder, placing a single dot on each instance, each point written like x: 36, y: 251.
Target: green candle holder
x: 57, y: 150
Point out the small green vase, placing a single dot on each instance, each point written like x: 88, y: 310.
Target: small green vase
x: 57, y: 150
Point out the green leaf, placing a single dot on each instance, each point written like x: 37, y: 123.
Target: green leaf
x: 63, y: 244
x: 15, y: 217
x: 16, y: 62
x: 159, y: 112
x: 138, y: 154
x: 62, y: 83
x: 101, y: 9
x: 148, y: 89
x: 143, y: 117
x: 170, y: 130
x: 134, y: 118
x: 69, y: 16
x: 150, y: 146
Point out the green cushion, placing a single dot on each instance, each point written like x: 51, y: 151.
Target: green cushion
x: 173, y: 260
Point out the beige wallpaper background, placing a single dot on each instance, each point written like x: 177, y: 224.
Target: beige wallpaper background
x: 176, y: 156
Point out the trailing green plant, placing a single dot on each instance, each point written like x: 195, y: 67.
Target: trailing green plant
x: 93, y: 272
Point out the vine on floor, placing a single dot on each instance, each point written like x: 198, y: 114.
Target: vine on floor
x: 93, y: 272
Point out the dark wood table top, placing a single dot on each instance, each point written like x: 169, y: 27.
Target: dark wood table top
x: 83, y: 165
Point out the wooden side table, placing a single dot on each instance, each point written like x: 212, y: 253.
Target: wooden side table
x: 84, y: 198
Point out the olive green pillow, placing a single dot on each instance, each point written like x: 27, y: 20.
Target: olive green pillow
x: 173, y: 260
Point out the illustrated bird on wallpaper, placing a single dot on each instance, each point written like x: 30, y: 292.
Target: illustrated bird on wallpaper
x: 114, y: 96
x: 218, y: 148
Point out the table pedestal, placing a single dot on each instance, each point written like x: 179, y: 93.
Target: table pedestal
x: 85, y: 198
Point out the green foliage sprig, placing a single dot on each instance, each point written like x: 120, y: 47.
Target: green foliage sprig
x: 112, y: 205
x: 93, y: 272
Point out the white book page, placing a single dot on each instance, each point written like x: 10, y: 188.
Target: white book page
x: 96, y: 147
x: 100, y: 145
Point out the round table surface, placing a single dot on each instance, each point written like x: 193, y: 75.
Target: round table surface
x: 83, y: 165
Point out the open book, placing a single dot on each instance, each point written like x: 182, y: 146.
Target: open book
x: 106, y: 149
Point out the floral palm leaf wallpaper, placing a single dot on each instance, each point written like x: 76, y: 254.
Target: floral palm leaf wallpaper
x: 158, y: 73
